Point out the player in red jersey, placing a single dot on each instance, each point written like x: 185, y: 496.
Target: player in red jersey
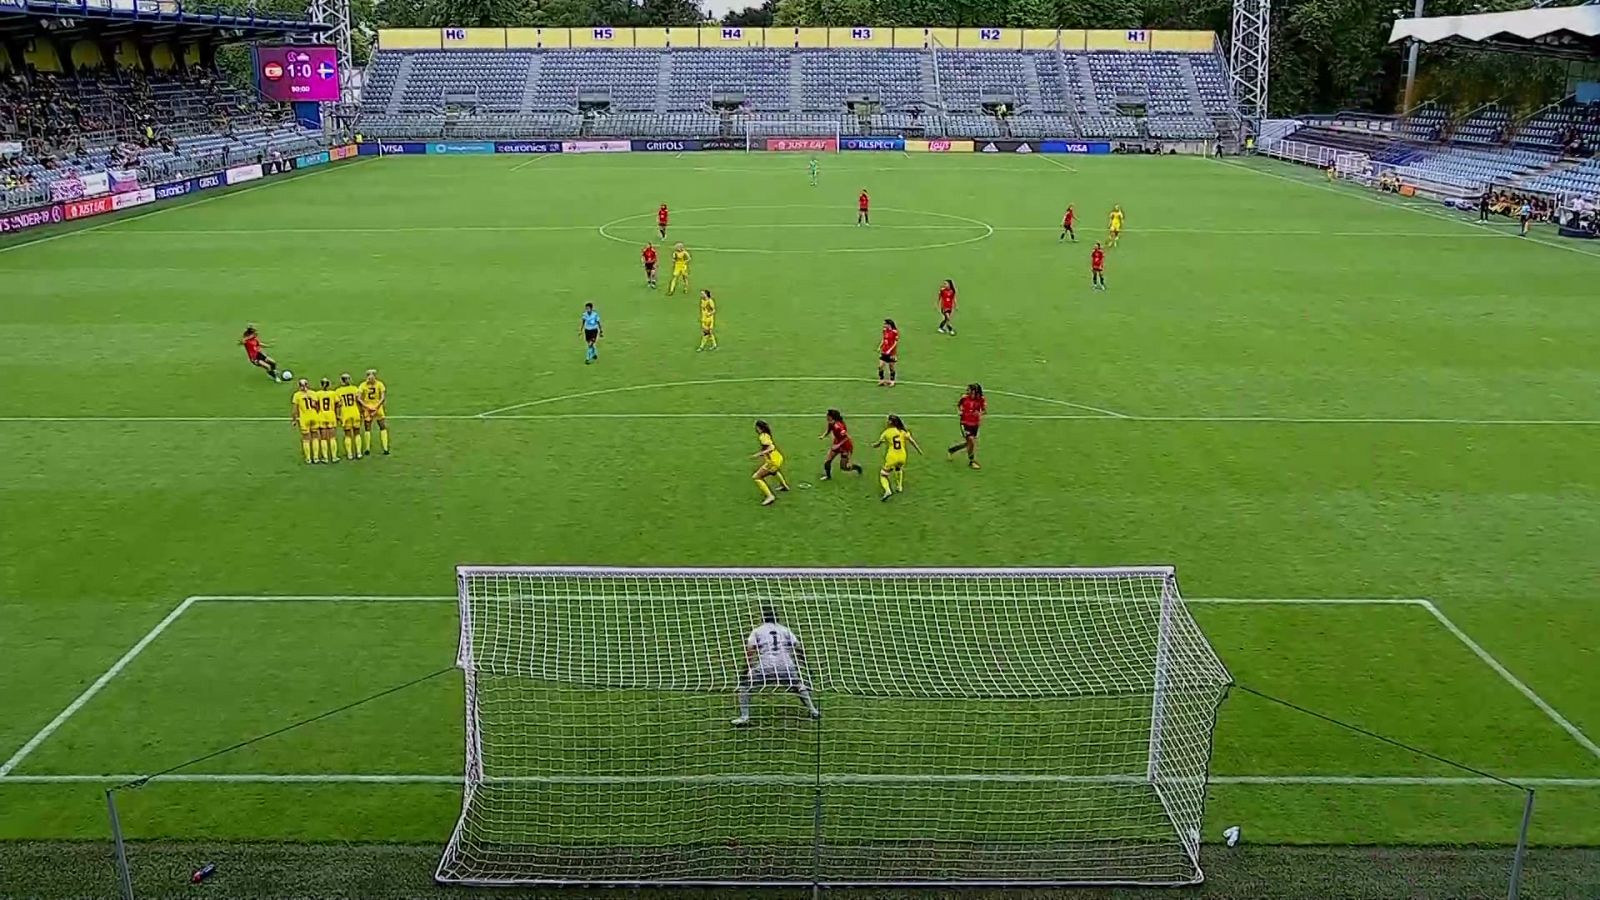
x: 888, y: 352
x: 840, y: 446
x: 253, y: 349
x: 1097, y: 267
x: 947, y: 306
x: 661, y: 221
x: 972, y: 407
x: 863, y: 205
x: 649, y: 257
x: 1066, y: 225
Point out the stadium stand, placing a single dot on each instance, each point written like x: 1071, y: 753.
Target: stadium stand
x: 69, y: 122
x: 723, y: 91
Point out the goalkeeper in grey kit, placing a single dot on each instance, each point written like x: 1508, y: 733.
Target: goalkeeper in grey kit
x: 772, y: 657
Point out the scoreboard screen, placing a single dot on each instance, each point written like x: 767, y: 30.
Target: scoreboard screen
x: 298, y: 73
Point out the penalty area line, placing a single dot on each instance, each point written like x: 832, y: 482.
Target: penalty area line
x: 88, y: 693
x: 1522, y: 688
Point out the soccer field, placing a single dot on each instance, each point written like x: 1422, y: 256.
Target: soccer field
x: 1363, y: 432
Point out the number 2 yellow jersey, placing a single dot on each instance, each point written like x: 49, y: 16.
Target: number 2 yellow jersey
x: 374, y: 395
x: 680, y: 259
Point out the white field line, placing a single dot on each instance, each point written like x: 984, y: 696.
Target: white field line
x: 166, y: 209
x: 1095, y: 416
x: 1370, y: 198
x: 540, y: 158
x: 89, y: 692
x: 736, y: 226
x: 1059, y: 163
x: 1514, y: 681
x: 845, y: 778
x: 780, y: 379
x: 117, y: 667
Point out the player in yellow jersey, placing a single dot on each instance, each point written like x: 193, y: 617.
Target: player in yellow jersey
x: 895, y: 439
x: 373, y: 397
x: 349, y: 402
x: 708, y: 322
x: 680, y: 268
x: 304, y: 416
x: 327, y: 404
x: 771, y: 464
x: 1116, y: 226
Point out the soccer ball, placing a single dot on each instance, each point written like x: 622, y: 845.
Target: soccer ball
x: 286, y: 375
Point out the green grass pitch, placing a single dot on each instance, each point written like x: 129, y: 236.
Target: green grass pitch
x: 1290, y: 390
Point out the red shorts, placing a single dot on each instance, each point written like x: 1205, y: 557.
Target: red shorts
x: 661, y: 223
x: 848, y: 448
x: 252, y: 355
x: 947, y: 307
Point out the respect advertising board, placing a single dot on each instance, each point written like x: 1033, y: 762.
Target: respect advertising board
x: 664, y: 146
x: 872, y: 143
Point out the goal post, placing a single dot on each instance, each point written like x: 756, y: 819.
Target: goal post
x: 976, y: 726
x: 792, y: 136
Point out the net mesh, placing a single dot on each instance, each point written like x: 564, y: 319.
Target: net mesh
x: 977, y: 727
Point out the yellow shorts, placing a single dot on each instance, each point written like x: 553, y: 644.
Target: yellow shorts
x: 350, y: 418
x: 372, y: 414
x: 774, y: 461
x: 680, y: 271
x: 894, y: 461
x: 305, y: 425
x: 1116, y: 229
x: 708, y: 325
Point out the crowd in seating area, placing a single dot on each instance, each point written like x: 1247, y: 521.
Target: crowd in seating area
x: 705, y: 92
x: 166, y: 123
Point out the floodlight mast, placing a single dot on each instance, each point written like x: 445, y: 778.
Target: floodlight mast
x: 1249, y: 53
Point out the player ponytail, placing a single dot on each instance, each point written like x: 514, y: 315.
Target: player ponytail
x: 890, y: 323
x: 835, y: 416
x: 950, y: 284
x: 763, y: 428
x: 976, y: 390
x: 894, y: 422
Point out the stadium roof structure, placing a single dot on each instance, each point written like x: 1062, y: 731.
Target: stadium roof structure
x: 161, y: 19
x: 1571, y: 32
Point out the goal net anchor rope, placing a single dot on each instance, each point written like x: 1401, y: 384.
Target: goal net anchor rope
x: 978, y: 726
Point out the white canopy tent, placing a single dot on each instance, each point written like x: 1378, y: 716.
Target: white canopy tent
x: 1572, y: 32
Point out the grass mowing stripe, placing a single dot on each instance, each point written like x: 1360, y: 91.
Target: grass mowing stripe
x: 1019, y: 417
x: 90, y: 229
x: 89, y: 692
x: 1514, y: 681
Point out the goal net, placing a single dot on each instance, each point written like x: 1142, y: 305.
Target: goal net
x: 1048, y: 726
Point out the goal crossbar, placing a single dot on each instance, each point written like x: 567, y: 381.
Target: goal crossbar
x: 1003, y: 726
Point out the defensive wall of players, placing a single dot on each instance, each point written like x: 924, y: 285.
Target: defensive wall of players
x: 1133, y: 40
